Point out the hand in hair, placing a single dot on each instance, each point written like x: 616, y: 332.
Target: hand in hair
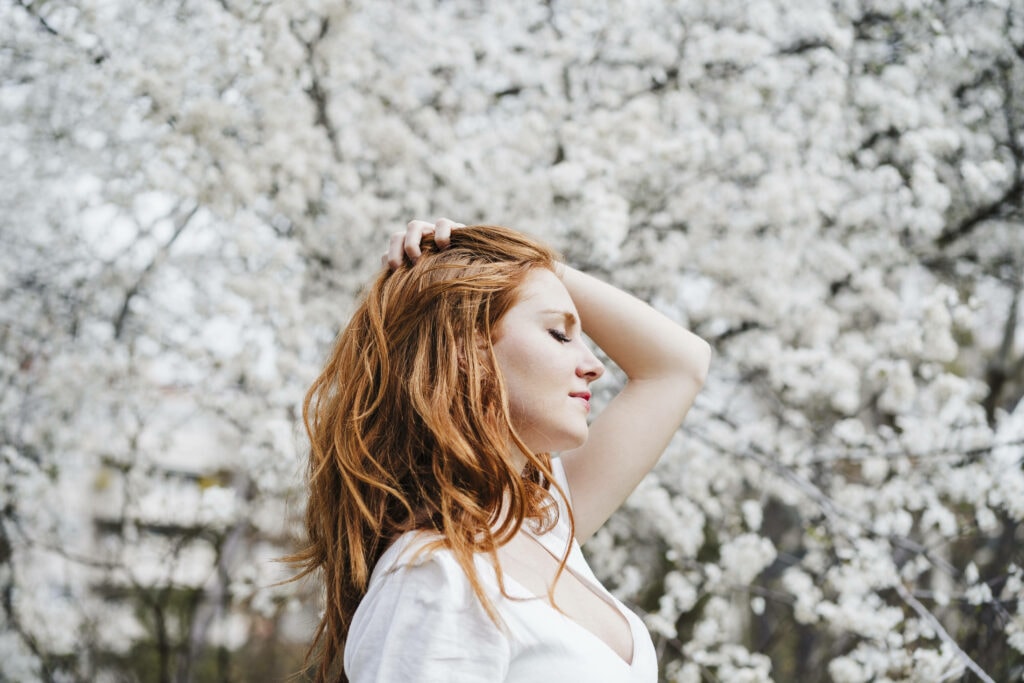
x: 408, y: 241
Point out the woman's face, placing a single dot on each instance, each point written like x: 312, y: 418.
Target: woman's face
x: 546, y: 365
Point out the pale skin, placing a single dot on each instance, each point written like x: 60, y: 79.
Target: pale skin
x: 665, y: 365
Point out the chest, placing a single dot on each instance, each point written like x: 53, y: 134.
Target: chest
x: 534, y: 568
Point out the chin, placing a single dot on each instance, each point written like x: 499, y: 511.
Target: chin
x: 564, y: 442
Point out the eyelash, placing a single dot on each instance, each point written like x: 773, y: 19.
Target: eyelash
x: 560, y: 336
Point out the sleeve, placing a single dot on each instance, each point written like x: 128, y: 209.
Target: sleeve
x: 424, y: 623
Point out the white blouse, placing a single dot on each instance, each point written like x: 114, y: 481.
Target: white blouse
x: 420, y: 621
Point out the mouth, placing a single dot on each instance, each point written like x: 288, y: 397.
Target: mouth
x: 583, y: 396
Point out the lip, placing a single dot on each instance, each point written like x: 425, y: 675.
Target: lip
x: 584, y: 395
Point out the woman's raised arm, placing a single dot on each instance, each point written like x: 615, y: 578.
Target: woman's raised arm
x: 665, y: 365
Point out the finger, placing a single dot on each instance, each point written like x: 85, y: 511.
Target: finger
x: 443, y: 232
x: 393, y: 258
x: 414, y: 232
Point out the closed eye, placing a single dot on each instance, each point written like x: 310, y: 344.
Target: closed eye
x: 560, y: 336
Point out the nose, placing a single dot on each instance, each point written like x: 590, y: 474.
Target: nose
x: 590, y: 367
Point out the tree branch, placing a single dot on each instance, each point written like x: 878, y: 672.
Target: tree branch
x: 122, y: 316
x: 316, y: 90
x: 40, y: 18
x: 1013, y: 194
x: 999, y: 369
x: 829, y: 508
x: 944, y: 636
x: 1011, y: 197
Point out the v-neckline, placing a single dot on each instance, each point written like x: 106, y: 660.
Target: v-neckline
x: 588, y: 584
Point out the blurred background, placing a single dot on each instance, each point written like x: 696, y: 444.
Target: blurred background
x: 192, y: 194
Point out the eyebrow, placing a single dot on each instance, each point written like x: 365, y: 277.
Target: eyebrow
x: 570, y: 318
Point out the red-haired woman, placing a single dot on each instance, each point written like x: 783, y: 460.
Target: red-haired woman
x: 447, y: 536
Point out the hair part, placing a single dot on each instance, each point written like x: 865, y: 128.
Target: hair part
x: 409, y: 426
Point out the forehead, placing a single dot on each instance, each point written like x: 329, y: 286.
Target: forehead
x: 541, y: 290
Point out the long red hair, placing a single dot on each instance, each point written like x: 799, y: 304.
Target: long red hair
x: 409, y: 426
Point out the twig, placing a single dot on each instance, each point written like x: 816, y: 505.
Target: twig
x: 122, y: 316
x: 932, y: 621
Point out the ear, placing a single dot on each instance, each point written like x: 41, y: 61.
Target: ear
x: 480, y: 341
x: 481, y: 347
x: 486, y: 336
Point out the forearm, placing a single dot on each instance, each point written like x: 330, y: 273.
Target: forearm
x: 643, y: 342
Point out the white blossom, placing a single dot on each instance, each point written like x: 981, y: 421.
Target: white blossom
x: 753, y: 514
x: 745, y: 556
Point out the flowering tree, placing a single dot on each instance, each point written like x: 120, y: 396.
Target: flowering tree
x: 830, y: 192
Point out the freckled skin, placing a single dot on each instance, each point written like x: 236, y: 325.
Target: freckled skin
x: 544, y: 360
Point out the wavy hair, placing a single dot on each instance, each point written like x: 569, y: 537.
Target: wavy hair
x: 409, y: 426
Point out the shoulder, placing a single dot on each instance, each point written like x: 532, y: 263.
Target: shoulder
x: 420, y: 620
x: 412, y: 567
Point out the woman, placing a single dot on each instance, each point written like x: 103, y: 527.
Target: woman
x: 447, y: 535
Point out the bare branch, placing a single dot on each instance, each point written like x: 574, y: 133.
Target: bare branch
x: 140, y: 280
x: 45, y: 25
x: 1011, y: 197
x: 316, y: 90
x: 829, y: 508
x: 944, y: 636
x: 1000, y: 368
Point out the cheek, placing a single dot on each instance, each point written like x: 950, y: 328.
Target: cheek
x: 519, y: 381
x: 515, y: 360
x: 531, y: 365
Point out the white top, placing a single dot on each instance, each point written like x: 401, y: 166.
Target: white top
x: 422, y: 622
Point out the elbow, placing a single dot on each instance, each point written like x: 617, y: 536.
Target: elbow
x: 691, y: 361
x: 683, y: 358
x: 689, y: 372
x: 698, y: 360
